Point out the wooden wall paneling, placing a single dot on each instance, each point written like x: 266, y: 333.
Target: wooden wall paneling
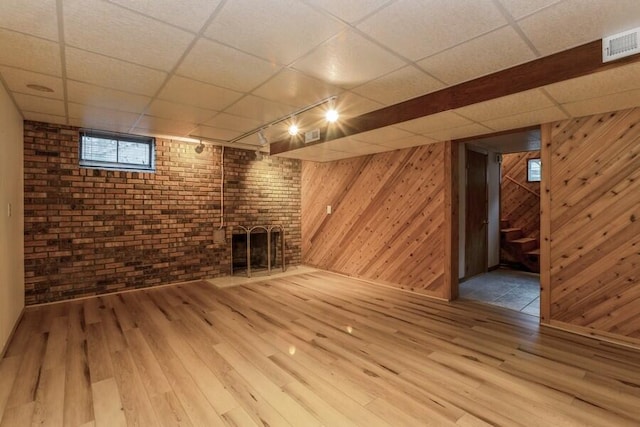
x: 451, y: 219
x: 545, y: 224
x: 387, y: 221
x: 595, y: 233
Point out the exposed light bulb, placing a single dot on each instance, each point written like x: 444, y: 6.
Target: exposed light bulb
x: 332, y: 115
x: 293, y: 130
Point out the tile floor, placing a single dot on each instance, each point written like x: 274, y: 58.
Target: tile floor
x: 516, y: 290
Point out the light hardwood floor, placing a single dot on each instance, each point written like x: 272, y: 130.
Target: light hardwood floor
x: 306, y: 350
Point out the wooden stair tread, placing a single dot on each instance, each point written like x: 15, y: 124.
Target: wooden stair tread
x: 534, y: 252
x: 523, y: 240
x: 507, y: 230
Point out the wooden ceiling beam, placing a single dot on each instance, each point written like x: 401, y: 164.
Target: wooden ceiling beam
x: 576, y: 62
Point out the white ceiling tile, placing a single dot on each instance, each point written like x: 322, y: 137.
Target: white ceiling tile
x: 181, y: 112
x: 101, y: 118
x: 214, y: 63
x: 400, y: 85
x: 296, y: 89
x: 351, y: 145
x: 348, y: 60
x: 459, y: 132
x: 29, y: 53
x: 279, y: 31
x: 17, y: 81
x: 411, y: 141
x: 259, y: 109
x: 519, y: 8
x: 574, y: 22
x: 219, y: 134
x: 164, y: 126
x: 604, y: 104
x: 349, y: 11
x: 500, y: 49
x: 434, y: 123
x: 510, y: 105
x: 231, y: 122
x: 530, y: 118
x: 419, y: 28
x: 191, y: 92
x: 83, y: 93
x: 111, y: 30
x: 112, y: 73
x: 35, y: 17
x: 190, y: 15
x: 381, y: 136
x: 318, y: 157
x: 38, y: 104
x: 350, y: 105
x: 45, y: 118
x: 619, y: 79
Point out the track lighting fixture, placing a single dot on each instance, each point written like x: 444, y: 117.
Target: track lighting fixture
x: 200, y: 148
x: 331, y: 115
x: 262, y: 138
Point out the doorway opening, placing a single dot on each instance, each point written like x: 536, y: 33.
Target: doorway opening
x: 499, y: 222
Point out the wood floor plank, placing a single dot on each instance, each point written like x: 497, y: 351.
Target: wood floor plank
x: 308, y: 349
x: 49, y: 402
x: 57, y: 343
x: 27, y: 380
x: 20, y: 415
x: 8, y: 372
x: 107, y: 404
x: 238, y: 417
x: 78, y: 396
x: 135, y: 402
x: 98, y: 354
x: 169, y: 410
x: 282, y: 402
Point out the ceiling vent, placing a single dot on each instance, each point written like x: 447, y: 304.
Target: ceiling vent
x: 620, y: 45
x: 312, y: 135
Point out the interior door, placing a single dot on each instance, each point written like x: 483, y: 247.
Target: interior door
x: 476, y: 251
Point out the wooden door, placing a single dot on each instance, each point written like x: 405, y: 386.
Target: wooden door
x: 476, y: 251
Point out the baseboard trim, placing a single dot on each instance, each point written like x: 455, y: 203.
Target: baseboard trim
x: 595, y: 334
x: 13, y: 332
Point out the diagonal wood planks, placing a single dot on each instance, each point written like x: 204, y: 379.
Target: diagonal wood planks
x: 595, y: 223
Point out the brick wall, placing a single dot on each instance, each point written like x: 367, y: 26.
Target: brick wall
x: 90, y: 231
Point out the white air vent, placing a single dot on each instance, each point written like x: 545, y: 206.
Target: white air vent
x: 312, y: 135
x: 620, y: 45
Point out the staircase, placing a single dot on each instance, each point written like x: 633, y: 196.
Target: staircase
x: 517, y: 249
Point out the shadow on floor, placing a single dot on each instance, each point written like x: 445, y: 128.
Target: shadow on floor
x: 516, y: 290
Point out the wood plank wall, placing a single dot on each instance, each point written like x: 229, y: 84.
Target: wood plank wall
x: 387, y: 221
x: 519, y: 206
x: 595, y: 224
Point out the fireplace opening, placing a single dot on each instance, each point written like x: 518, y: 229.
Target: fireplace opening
x: 264, y: 253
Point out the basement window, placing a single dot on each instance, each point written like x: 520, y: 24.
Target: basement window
x: 116, y: 151
x: 534, y: 170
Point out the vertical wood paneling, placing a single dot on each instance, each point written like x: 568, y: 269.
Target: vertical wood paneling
x: 519, y: 206
x: 595, y: 231
x: 545, y: 225
x: 451, y: 204
x: 387, y: 221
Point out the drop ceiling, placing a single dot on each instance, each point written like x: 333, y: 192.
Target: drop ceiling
x: 217, y: 69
